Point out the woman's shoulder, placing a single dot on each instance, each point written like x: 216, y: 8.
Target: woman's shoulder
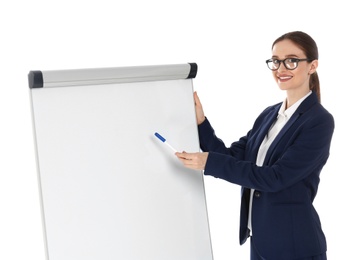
x: 271, y: 109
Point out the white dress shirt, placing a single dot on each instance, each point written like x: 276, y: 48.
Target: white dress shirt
x: 283, y: 117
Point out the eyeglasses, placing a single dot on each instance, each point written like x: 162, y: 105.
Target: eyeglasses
x: 289, y: 63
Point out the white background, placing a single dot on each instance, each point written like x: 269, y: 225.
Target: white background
x: 230, y: 41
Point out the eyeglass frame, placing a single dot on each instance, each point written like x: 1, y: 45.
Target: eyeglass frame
x: 283, y: 62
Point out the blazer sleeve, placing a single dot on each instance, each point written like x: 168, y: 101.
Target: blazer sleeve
x: 210, y: 142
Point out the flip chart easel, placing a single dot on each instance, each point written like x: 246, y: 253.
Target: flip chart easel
x: 109, y: 189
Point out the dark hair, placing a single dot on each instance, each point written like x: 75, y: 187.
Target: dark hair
x: 308, y: 45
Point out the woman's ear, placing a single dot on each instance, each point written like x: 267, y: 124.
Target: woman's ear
x: 313, y: 67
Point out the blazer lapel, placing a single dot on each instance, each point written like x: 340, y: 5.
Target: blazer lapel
x: 264, y: 129
x: 304, y: 106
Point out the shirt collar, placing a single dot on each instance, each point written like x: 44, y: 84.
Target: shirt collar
x: 290, y: 111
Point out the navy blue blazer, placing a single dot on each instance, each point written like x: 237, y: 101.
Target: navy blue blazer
x: 285, y: 224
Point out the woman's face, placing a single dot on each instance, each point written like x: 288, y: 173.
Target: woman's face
x: 292, y: 80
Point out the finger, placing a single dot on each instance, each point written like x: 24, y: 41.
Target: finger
x: 182, y: 155
x: 197, y: 99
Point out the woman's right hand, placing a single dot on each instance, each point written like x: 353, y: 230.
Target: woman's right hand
x: 200, y: 117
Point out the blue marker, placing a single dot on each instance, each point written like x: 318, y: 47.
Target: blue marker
x: 162, y: 139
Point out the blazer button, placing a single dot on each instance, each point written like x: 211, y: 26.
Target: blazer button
x: 257, y: 194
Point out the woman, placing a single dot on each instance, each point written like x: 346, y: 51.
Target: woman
x: 278, y: 162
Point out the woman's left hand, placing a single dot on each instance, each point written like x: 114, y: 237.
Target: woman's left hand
x: 196, y: 161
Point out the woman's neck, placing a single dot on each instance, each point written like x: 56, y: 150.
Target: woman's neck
x: 294, y: 96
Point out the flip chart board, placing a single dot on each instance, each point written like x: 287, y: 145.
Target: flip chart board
x: 109, y: 188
